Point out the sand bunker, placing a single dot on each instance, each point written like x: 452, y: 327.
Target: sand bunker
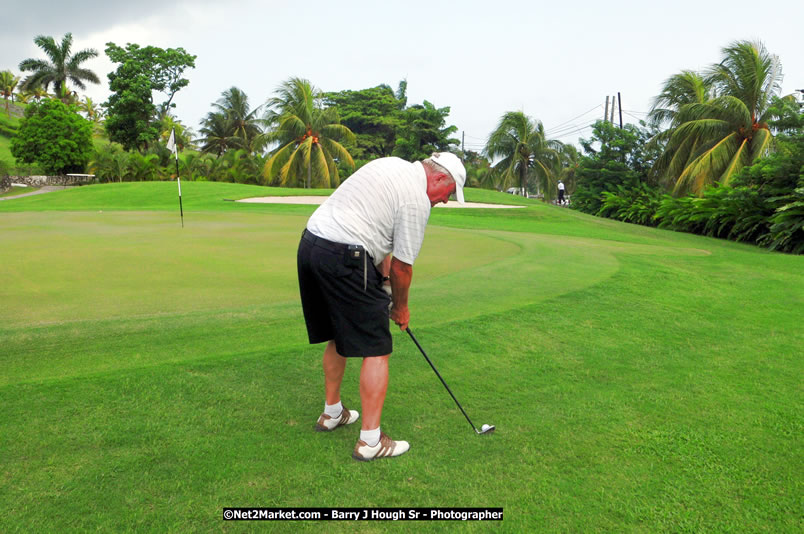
x: 320, y: 199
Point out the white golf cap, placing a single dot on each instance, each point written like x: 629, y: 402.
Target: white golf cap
x: 455, y: 167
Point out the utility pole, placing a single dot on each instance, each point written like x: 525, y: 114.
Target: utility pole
x: 463, y: 143
x: 606, y: 113
x: 620, y: 107
x: 611, y: 120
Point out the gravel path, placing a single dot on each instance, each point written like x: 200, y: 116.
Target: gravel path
x: 45, y: 189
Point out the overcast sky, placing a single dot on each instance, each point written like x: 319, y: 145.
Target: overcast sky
x: 556, y: 61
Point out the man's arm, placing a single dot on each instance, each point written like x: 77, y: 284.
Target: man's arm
x: 401, y: 275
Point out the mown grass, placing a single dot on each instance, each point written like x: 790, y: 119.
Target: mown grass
x: 150, y: 375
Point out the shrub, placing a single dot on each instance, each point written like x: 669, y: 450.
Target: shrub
x: 54, y: 136
x: 637, y: 204
x: 787, y: 229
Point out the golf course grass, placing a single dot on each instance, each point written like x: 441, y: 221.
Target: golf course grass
x: 150, y: 375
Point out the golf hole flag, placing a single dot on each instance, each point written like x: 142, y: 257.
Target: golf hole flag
x: 171, y: 145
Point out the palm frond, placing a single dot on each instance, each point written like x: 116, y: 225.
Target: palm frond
x: 737, y: 162
x: 703, y: 170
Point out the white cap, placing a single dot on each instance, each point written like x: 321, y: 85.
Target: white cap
x: 455, y: 167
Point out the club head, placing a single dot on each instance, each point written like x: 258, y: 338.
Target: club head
x: 486, y: 429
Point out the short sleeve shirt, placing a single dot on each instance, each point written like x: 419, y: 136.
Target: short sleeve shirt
x: 383, y: 207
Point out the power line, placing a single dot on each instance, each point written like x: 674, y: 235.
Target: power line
x: 573, y: 132
x: 558, y: 126
x: 633, y: 116
x: 570, y: 128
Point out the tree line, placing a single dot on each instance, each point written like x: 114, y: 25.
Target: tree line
x: 705, y: 132
x: 722, y: 155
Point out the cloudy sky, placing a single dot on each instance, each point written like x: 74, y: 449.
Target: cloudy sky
x: 556, y: 61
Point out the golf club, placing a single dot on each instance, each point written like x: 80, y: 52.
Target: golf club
x: 485, y: 429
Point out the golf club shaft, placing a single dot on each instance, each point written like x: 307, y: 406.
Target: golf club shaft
x: 439, y: 377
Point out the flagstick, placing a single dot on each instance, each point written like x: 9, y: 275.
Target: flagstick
x: 171, y: 145
x: 178, y: 178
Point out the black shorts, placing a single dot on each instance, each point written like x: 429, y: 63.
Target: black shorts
x: 334, y: 302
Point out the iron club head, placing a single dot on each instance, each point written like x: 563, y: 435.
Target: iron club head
x: 486, y: 429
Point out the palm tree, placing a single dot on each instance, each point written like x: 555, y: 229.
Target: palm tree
x: 61, y: 67
x: 525, y: 151
x: 309, y: 137
x: 110, y: 162
x: 37, y: 92
x: 216, y: 135
x: 184, y: 135
x: 244, y: 121
x: 687, y: 87
x: 716, y: 138
x: 566, y: 170
x: 8, y: 82
x: 90, y: 109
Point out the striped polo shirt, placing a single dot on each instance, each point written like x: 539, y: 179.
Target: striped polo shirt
x: 383, y: 206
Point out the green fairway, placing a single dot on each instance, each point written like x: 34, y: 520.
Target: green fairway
x: 150, y: 375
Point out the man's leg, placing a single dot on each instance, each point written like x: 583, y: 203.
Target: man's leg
x: 373, y: 385
x: 374, y: 443
x: 335, y: 413
x: 334, y: 366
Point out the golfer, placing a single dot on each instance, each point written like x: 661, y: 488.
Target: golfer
x: 381, y: 209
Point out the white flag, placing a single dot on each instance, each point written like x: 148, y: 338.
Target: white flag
x: 171, y: 144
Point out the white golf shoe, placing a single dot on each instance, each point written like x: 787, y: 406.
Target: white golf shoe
x: 385, y: 448
x: 326, y: 423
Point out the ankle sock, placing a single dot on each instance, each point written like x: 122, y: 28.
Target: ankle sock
x: 333, y: 410
x: 370, y: 437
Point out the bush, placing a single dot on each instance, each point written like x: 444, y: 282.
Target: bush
x: 54, y: 136
x: 787, y: 224
x: 637, y: 204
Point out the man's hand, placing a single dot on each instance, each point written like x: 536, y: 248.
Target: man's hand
x: 401, y: 316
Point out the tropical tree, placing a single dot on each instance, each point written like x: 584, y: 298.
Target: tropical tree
x: 613, y: 158
x: 524, y: 150
x: 244, y: 122
x: 91, y: 110
x: 143, y: 168
x: 62, y: 66
x: 478, y: 169
x: 309, y: 137
x: 132, y: 116
x: 37, y: 92
x: 110, y: 163
x: 53, y: 136
x: 423, y: 131
x: 184, y: 135
x: 216, y: 135
x: 8, y: 82
x: 373, y: 115
x: 715, y: 138
x: 679, y: 90
x: 566, y: 170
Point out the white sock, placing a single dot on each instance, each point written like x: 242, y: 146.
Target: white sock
x: 370, y: 437
x: 333, y: 410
